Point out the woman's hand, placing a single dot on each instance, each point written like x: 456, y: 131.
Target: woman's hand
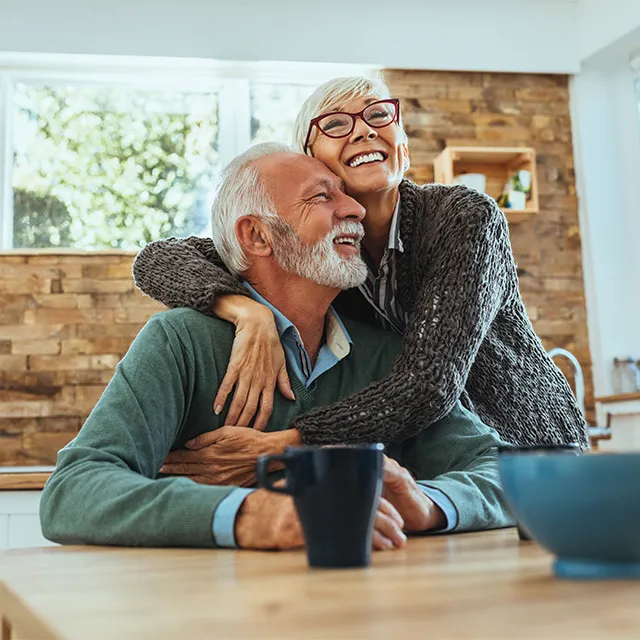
x: 256, y: 365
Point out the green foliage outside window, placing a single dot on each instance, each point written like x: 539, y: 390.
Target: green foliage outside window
x: 40, y: 220
x: 102, y: 168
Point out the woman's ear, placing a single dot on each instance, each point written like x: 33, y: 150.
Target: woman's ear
x: 253, y: 236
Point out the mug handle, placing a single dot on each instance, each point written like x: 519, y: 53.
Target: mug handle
x: 262, y: 472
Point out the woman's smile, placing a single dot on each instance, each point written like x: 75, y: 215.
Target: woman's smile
x: 367, y: 158
x: 370, y: 159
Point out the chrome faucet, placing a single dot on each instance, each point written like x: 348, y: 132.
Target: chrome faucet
x: 578, y: 376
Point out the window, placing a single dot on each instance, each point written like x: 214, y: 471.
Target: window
x: 106, y: 153
x: 274, y: 108
x: 110, y: 167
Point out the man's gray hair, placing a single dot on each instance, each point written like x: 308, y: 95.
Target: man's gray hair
x: 240, y: 192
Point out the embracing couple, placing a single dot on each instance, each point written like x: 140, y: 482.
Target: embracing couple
x: 382, y: 311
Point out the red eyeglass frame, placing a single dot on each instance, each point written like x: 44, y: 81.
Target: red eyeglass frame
x: 314, y: 121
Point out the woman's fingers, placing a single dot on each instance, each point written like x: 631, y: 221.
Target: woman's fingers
x: 256, y: 366
x: 266, y: 407
x: 250, y: 406
x: 225, y: 389
x: 284, y: 384
x: 238, y: 402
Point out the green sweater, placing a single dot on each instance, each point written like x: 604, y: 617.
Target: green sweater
x: 105, y: 488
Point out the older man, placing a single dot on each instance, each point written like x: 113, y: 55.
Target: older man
x: 106, y: 489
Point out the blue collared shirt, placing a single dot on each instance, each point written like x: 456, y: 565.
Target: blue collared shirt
x: 337, y: 345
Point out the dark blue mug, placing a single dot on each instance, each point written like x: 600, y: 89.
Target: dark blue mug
x: 336, y: 491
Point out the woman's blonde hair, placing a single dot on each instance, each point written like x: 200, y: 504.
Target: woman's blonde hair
x: 332, y: 96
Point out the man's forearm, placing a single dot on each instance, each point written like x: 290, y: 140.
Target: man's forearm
x: 457, y: 458
x: 93, y: 499
x: 226, y: 518
x: 476, y: 494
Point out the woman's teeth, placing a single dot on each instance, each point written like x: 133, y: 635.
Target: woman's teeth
x: 370, y: 157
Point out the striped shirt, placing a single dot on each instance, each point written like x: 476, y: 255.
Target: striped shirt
x: 381, y: 288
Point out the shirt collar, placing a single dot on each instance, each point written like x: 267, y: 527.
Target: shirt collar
x: 337, y: 337
x: 395, y: 241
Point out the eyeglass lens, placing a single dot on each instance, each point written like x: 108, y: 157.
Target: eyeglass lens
x: 379, y: 114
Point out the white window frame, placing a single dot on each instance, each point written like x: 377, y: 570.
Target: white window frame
x: 232, y: 81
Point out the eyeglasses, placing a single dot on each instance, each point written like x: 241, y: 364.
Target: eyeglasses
x: 340, y: 124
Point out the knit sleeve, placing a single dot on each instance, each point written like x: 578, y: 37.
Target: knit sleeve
x: 469, y: 273
x: 184, y: 272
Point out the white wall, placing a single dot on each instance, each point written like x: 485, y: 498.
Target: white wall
x: 496, y: 35
x: 19, y: 520
x: 607, y: 139
x: 606, y: 123
x: 601, y: 23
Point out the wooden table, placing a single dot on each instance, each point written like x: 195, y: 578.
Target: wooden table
x: 481, y: 585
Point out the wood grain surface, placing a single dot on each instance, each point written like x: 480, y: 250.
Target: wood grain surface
x: 480, y: 585
x: 16, y: 481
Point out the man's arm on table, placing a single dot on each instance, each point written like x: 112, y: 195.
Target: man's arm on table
x: 456, y: 465
x: 228, y: 456
x: 104, y: 489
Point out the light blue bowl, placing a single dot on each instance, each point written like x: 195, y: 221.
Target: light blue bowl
x: 584, y: 509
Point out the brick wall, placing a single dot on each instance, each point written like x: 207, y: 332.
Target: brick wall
x: 498, y: 109
x: 66, y: 320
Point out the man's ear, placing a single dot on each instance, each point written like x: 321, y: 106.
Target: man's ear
x: 253, y: 236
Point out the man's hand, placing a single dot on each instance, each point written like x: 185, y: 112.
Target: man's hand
x: 268, y: 520
x: 387, y: 533
x: 401, y: 490
x: 228, y: 455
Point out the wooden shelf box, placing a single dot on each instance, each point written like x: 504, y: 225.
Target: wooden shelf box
x: 498, y: 164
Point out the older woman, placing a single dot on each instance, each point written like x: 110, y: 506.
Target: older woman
x: 440, y: 272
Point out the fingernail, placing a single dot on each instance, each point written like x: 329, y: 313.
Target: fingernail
x: 217, y: 409
x: 162, y: 469
x: 190, y: 443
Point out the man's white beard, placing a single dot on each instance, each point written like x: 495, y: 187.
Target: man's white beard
x: 320, y: 262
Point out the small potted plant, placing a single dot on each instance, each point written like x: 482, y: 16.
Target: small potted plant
x: 516, y: 191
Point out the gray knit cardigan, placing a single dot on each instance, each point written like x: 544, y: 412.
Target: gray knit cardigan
x: 468, y: 334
